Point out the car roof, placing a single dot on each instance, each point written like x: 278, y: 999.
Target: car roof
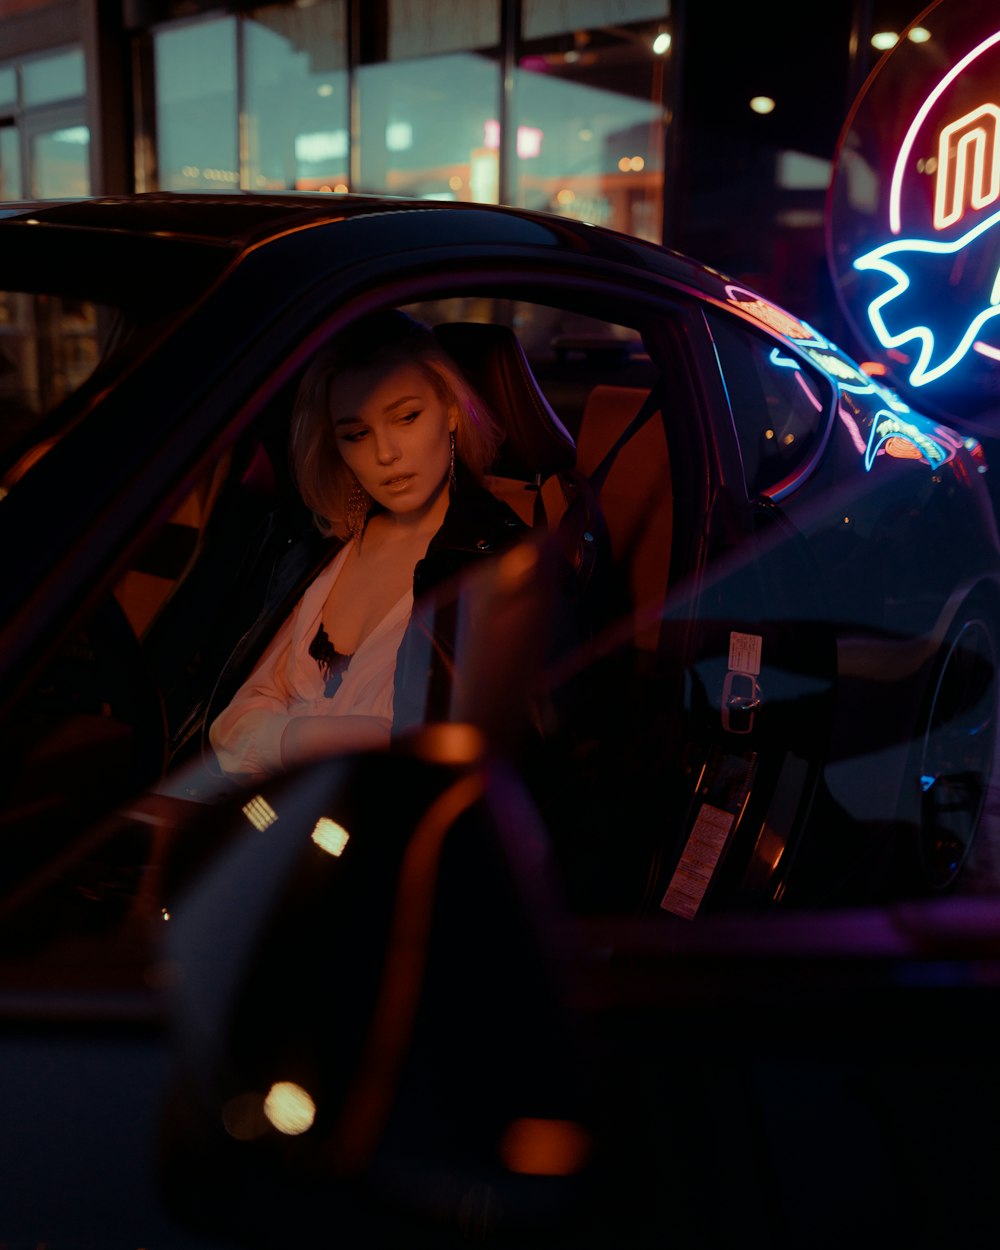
x: 242, y: 216
x: 220, y: 227
x: 153, y: 253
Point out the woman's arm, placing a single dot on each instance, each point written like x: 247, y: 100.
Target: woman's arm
x: 313, y: 737
x: 246, y: 735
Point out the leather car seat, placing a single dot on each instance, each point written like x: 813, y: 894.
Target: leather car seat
x: 625, y: 453
x: 535, y: 470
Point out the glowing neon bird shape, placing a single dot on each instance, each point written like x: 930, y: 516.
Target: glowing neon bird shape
x: 935, y: 264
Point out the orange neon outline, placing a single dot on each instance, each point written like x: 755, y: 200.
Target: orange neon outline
x: 895, y: 191
x: 957, y: 172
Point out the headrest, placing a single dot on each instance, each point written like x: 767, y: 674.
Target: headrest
x: 493, y: 360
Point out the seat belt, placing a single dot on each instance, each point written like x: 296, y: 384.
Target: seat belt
x: 650, y: 405
x: 559, y: 492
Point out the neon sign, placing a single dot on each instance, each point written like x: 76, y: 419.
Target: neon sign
x: 966, y: 177
x: 914, y: 213
x: 964, y: 149
x: 895, y: 195
x: 932, y: 361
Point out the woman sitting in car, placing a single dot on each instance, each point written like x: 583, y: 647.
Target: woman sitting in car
x: 389, y: 444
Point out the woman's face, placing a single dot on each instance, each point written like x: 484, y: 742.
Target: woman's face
x: 392, y: 430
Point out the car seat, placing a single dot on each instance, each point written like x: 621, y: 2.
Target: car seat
x: 535, y: 470
x: 624, y: 454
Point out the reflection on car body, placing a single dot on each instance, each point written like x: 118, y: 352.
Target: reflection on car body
x: 768, y: 698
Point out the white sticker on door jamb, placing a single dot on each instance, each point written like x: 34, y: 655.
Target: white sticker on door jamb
x: 744, y: 652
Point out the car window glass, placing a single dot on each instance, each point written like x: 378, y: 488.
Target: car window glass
x: 90, y: 734
x: 569, y: 351
x: 780, y: 405
x: 87, y: 734
x: 49, y: 346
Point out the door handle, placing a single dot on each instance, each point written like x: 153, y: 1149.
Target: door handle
x: 740, y: 701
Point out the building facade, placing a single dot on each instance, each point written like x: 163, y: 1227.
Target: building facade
x: 426, y: 98
x: 626, y: 113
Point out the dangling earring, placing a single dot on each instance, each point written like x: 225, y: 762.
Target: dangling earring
x: 451, y: 467
x: 357, y: 509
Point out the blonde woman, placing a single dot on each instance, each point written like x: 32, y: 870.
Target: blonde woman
x: 389, y: 444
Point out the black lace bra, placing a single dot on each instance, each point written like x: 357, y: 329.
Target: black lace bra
x: 331, y: 663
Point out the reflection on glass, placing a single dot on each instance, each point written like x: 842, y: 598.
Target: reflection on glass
x: 425, y: 127
x: 8, y: 87
x: 51, y: 78
x: 430, y: 27
x: 60, y: 162
x: 10, y: 164
x: 48, y: 347
x: 779, y: 408
x: 197, y: 127
x: 297, y: 98
x: 585, y: 119
x: 589, y: 117
x: 555, y: 17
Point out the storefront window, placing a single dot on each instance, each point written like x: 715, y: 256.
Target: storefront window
x: 579, y: 129
x: 59, y: 157
x: 540, y: 18
x: 196, y: 107
x: 297, y: 98
x: 52, y: 78
x: 428, y: 127
x: 426, y: 113
x: 589, y: 111
x: 10, y: 163
x: 431, y: 27
x: 44, y: 139
x: 8, y: 87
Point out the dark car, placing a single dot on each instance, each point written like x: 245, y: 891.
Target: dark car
x: 754, y: 618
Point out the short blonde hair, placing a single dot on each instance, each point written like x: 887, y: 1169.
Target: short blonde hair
x: 381, y: 339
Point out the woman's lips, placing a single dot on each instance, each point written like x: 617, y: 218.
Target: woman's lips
x: 398, y: 482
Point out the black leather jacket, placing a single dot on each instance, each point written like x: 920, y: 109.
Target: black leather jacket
x: 476, y: 526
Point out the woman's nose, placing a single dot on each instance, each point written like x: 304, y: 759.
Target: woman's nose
x: 386, y: 449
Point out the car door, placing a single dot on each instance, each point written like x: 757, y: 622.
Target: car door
x: 761, y: 661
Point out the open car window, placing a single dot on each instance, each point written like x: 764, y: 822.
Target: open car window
x: 104, y: 741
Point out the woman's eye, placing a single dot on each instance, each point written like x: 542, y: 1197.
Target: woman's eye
x: 354, y: 436
x: 407, y: 417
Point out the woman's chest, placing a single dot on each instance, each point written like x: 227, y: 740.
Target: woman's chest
x: 363, y: 595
